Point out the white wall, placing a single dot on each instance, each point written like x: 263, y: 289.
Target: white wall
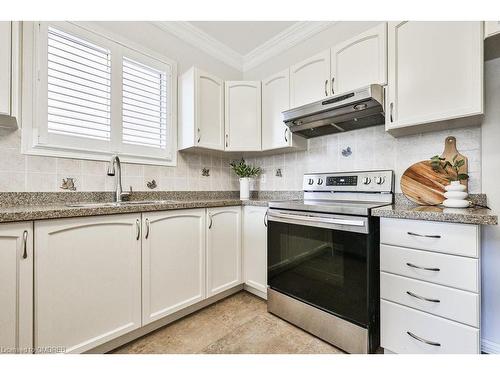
x: 491, y: 186
x: 336, y: 33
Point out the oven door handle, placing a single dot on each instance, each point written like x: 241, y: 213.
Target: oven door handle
x: 317, y: 219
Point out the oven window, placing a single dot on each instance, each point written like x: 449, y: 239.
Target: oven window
x: 322, y: 267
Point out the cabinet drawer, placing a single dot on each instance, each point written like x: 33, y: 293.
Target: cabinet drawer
x: 446, y: 302
x: 449, y: 270
x: 398, y: 322
x: 459, y: 239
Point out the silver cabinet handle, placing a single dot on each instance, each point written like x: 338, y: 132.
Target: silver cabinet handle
x: 147, y: 228
x: 413, y: 336
x: 25, y: 244
x: 199, y: 136
x: 423, y: 268
x: 227, y: 135
x: 391, y: 107
x: 210, y: 224
x: 424, y: 235
x: 326, y: 87
x: 138, y: 229
x: 422, y: 298
x: 286, y: 139
x: 333, y: 80
x: 265, y: 219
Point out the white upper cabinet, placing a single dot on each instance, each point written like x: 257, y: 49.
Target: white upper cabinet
x: 5, y: 67
x: 87, y: 280
x: 275, y: 100
x: 9, y: 74
x: 201, y: 110
x: 173, y: 262
x: 435, y: 76
x: 255, y: 248
x: 16, y: 287
x: 491, y: 28
x: 223, y: 249
x: 360, y: 61
x: 310, y: 79
x: 243, y: 115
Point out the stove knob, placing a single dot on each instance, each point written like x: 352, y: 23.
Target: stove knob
x: 379, y: 180
x: 366, y: 180
x: 311, y: 181
x: 320, y: 181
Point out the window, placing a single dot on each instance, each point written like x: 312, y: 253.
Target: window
x: 96, y: 96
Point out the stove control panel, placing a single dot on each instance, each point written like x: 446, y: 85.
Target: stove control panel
x: 367, y: 181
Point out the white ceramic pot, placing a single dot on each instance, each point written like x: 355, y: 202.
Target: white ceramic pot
x: 245, y: 188
x: 456, y: 195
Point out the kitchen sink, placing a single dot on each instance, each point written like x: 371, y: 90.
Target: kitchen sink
x: 117, y: 204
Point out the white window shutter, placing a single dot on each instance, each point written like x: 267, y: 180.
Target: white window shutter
x: 79, y: 87
x: 144, y: 105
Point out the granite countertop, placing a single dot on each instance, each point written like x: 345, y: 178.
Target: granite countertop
x: 61, y: 210
x: 437, y: 213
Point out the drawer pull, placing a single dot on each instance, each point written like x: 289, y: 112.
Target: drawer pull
x: 423, y: 268
x: 413, y: 336
x: 424, y: 235
x: 422, y: 298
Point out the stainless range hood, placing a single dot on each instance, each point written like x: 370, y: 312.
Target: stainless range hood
x: 339, y: 113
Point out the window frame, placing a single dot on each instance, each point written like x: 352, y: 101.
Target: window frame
x: 35, y: 137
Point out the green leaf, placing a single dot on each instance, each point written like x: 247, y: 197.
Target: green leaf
x: 462, y: 176
x: 454, y: 157
x: 459, y: 163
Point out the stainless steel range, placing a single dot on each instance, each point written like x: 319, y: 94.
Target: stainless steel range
x: 323, y: 257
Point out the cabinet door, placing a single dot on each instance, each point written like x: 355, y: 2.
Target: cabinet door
x: 310, y: 79
x: 360, y: 61
x: 173, y: 261
x: 16, y: 287
x: 243, y: 116
x: 87, y: 280
x: 223, y: 249
x: 255, y: 247
x: 5, y: 67
x: 210, y: 110
x: 435, y: 72
x: 491, y: 28
x: 275, y: 100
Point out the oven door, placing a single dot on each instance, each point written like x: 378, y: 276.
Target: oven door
x: 323, y: 260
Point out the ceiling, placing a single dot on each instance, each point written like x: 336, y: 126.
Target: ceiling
x: 243, y: 36
x: 243, y: 44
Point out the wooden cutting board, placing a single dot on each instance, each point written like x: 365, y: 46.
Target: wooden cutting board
x: 425, y: 186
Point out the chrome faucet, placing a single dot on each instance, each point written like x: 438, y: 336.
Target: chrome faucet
x: 115, y: 169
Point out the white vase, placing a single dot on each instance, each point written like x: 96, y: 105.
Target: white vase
x: 245, y: 188
x: 456, y: 195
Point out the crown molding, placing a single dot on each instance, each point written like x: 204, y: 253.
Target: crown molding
x: 200, y: 39
x: 286, y: 39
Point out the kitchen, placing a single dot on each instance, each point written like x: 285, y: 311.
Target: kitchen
x: 249, y: 187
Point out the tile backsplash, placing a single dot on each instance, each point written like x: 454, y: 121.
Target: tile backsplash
x: 20, y: 172
x: 370, y: 148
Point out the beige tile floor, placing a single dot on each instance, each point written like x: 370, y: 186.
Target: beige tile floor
x: 238, y: 324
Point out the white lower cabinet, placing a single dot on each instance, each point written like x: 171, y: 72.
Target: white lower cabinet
x: 430, y: 301
x: 16, y: 287
x: 410, y: 331
x: 173, y: 262
x: 223, y: 249
x: 87, y: 280
x: 255, y: 248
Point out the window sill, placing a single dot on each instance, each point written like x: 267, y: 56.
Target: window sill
x: 98, y: 155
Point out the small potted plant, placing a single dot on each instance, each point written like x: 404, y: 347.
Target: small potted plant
x: 245, y: 172
x: 455, y: 192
